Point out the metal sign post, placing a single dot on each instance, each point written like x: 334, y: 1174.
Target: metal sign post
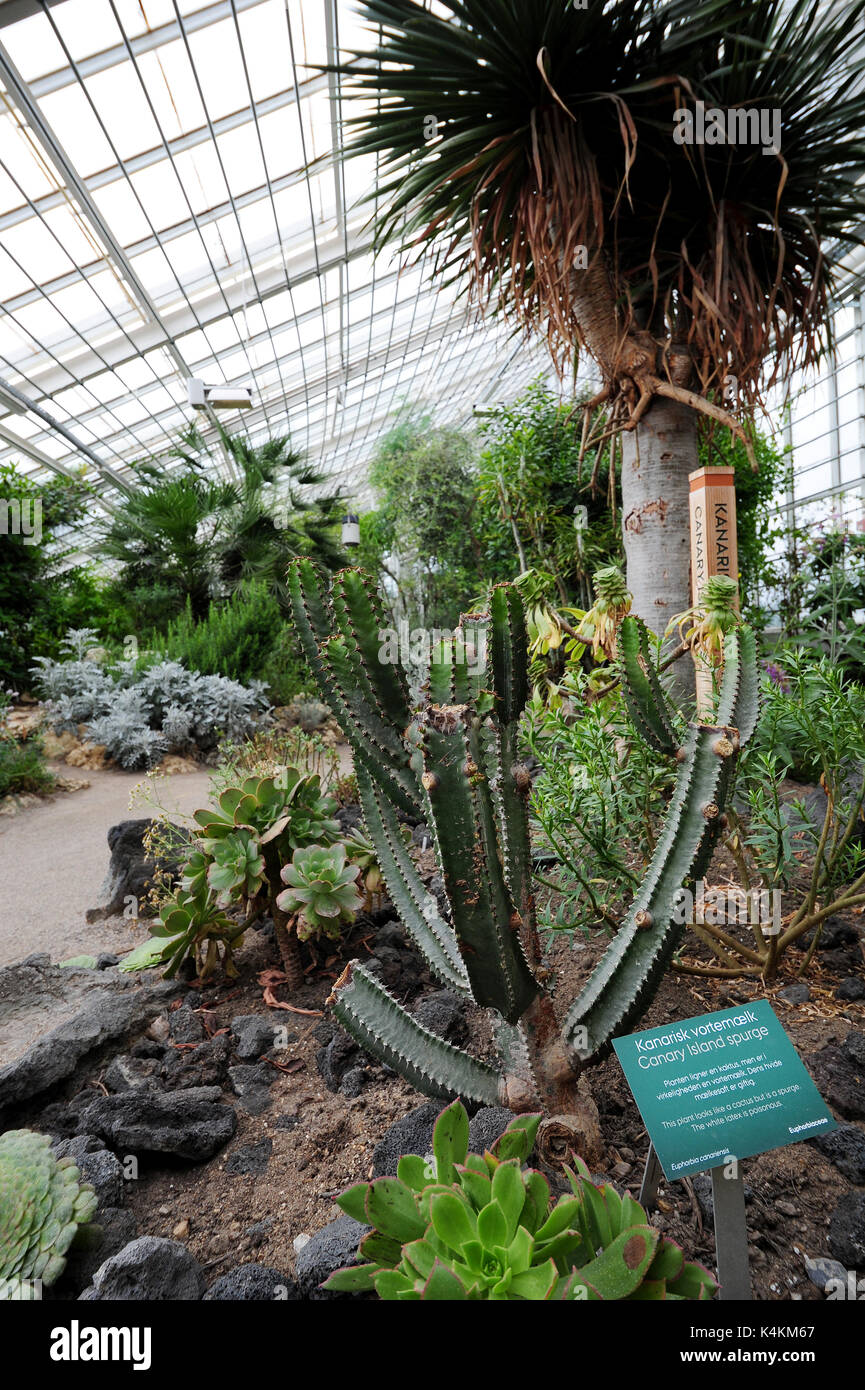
x: 731, y: 1231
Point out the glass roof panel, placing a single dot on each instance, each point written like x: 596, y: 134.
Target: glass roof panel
x: 177, y: 229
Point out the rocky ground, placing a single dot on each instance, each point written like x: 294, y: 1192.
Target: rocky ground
x: 218, y: 1127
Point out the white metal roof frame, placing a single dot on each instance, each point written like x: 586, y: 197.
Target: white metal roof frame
x: 154, y: 227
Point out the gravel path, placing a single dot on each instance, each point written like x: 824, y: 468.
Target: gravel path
x: 54, y: 856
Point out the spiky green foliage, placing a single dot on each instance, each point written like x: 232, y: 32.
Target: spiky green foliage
x: 461, y: 752
x: 554, y: 130
x: 43, y: 1206
x: 466, y: 1227
x: 184, y: 534
x: 322, y: 890
x: 351, y: 679
x: 646, y: 702
x: 627, y: 975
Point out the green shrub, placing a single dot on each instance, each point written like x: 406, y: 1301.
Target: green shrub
x: 597, y: 801
x: 22, y: 766
x: 235, y: 639
x: 286, y: 672
x: 271, y: 751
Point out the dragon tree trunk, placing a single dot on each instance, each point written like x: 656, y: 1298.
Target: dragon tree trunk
x: 657, y: 457
x: 658, y: 453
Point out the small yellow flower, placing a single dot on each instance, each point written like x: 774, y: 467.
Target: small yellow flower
x: 704, y: 627
x: 613, y: 601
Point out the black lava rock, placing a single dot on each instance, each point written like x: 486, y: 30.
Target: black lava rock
x: 341, y: 1055
x: 252, y: 1085
x: 130, y: 869
x: 847, y: 1231
x: 349, y: 817
x: 352, y: 1083
x: 444, y: 1014
x: 205, y: 1064
x: 835, y: 932
x: 333, y: 1247
x: 286, y: 1122
x: 191, y: 1124
x: 253, y: 1036
x: 795, y: 994
x: 840, y: 1078
x: 149, y: 1268
x: 845, y: 1147
x: 133, y: 1074
x: 185, y: 1026
x: 253, y: 1282
x: 97, y: 1165
x: 487, y: 1126
x: 250, y: 1158
x: 410, y: 1135
x: 118, y: 1228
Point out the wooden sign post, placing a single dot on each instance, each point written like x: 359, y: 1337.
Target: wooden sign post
x: 714, y: 548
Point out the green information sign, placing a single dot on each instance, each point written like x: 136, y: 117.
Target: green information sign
x: 728, y: 1084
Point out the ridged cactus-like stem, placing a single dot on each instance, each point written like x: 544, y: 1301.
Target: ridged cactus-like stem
x: 626, y: 976
x: 460, y: 814
x: 456, y: 761
x: 364, y: 692
x: 374, y: 1019
x: 645, y: 701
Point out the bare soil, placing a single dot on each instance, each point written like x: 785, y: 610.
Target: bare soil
x: 240, y: 1218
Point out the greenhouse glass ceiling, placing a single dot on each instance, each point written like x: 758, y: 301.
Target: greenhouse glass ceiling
x: 159, y: 220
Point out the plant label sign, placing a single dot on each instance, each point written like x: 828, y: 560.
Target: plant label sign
x: 714, y: 548
x: 722, y: 1085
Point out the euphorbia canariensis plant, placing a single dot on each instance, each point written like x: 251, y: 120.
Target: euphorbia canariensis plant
x: 705, y: 626
x: 455, y: 763
x: 461, y: 1226
x: 601, y: 624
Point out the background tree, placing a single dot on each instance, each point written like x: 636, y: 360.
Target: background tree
x: 193, y: 535
x: 551, y: 182
x: 41, y: 594
x: 422, y: 534
x: 539, y: 507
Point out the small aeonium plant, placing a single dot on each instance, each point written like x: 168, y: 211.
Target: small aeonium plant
x: 322, y: 890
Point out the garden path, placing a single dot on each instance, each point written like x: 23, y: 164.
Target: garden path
x: 54, y: 856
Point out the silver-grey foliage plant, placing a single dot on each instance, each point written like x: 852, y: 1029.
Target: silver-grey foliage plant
x: 138, y: 714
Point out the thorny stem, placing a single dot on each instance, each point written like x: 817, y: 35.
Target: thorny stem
x: 662, y: 666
